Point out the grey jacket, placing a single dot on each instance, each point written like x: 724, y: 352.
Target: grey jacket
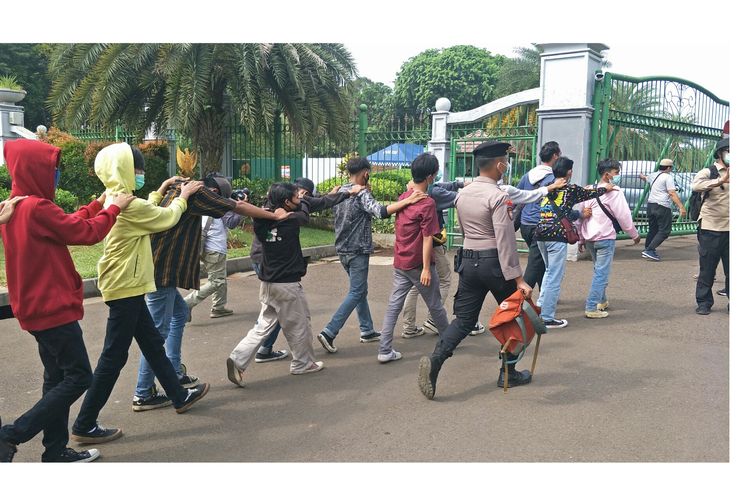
x: 353, y: 222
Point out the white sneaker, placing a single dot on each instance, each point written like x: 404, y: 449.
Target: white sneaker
x: 431, y: 327
x: 478, y: 329
x: 391, y: 356
x: 312, y: 368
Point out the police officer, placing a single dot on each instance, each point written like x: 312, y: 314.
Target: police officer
x: 489, y: 261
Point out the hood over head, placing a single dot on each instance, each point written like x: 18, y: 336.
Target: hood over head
x: 538, y: 173
x: 31, y: 165
x: 115, y: 168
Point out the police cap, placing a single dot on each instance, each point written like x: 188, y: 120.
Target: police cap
x: 491, y: 149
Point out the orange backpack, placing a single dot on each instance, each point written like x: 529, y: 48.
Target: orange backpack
x: 515, y: 322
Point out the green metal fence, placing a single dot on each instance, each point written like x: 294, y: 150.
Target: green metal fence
x: 516, y: 125
x: 640, y: 121
x: 116, y: 134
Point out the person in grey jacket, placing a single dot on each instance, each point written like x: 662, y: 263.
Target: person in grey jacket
x: 353, y: 227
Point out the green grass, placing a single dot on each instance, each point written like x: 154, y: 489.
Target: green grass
x: 86, y: 257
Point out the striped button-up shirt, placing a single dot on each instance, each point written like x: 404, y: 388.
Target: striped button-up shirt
x: 177, y: 250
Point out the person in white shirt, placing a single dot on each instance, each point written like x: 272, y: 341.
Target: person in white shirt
x: 663, y: 192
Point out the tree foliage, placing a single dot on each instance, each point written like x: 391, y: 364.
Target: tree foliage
x: 192, y: 88
x: 519, y: 73
x: 28, y: 62
x: 379, y: 100
x: 465, y: 74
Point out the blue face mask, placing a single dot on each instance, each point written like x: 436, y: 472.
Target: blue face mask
x: 140, y: 180
x: 57, y: 177
x: 616, y: 180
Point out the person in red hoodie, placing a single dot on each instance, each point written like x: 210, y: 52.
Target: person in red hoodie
x: 46, y: 293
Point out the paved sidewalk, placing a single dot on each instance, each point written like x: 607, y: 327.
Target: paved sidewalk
x: 649, y: 383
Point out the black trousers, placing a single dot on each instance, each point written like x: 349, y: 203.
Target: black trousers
x: 476, y: 277
x: 712, y: 247
x: 128, y: 319
x: 659, y: 225
x: 67, y: 375
x: 535, y: 268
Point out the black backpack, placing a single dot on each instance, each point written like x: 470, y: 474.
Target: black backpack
x: 697, y: 199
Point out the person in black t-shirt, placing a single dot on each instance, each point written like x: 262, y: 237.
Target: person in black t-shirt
x: 281, y: 296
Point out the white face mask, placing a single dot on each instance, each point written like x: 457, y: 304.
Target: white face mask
x: 725, y: 158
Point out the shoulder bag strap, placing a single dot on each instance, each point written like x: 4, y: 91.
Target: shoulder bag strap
x: 606, y: 212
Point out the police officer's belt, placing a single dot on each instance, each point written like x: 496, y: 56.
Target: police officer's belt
x: 479, y: 254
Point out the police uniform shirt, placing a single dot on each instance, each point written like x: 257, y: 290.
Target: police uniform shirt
x: 484, y: 215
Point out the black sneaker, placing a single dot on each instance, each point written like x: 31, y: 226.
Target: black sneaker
x: 370, y: 337
x: 193, y: 395
x: 556, y: 323
x: 723, y: 292
x: 327, y: 342
x: 97, y: 435
x: 427, y: 378
x: 69, y: 456
x: 270, y: 356
x: 703, y: 310
x: 188, y: 381
x: 154, y: 401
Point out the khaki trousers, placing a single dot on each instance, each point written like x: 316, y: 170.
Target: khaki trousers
x: 215, y: 264
x: 283, y: 303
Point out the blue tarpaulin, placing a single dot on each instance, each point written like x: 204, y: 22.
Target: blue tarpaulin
x: 397, y: 153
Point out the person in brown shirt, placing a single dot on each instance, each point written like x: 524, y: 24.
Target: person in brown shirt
x: 713, y: 228
x: 489, y: 262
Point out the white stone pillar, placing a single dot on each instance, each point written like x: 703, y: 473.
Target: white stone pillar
x: 440, y: 143
x: 566, y: 103
x: 11, y: 116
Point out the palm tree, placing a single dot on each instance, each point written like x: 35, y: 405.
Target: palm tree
x: 192, y: 88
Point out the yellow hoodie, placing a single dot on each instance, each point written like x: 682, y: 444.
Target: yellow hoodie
x: 127, y: 268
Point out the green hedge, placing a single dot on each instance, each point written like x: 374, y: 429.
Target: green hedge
x: 64, y: 199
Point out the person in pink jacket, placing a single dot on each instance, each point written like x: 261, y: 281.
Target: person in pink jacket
x: 597, y: 229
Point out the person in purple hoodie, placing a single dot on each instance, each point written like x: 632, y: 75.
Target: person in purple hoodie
x: 600, y: 221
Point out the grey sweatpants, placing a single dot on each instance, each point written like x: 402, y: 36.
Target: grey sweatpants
x: 283, y: 303
x: 402, y: 283
x: 444, y: 270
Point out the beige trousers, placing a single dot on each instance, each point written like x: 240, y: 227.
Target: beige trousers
x: 215, y: 264
x: 283, y: 303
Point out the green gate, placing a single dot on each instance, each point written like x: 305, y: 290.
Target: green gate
x: 640, y: 121
x: 516, y: 125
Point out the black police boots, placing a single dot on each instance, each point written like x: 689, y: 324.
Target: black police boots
x: 515, y: 377
x: 429, y: 368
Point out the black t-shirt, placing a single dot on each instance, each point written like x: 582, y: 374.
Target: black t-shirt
x: 282, y: 253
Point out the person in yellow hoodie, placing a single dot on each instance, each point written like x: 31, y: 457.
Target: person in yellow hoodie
x: 126, y: 275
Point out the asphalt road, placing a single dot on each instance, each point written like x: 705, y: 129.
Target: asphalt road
x: 649, y: 383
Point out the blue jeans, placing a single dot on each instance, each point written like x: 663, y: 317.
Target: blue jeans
x: 554, y: 254
x: 267, y: 346
x: 602, y: 252
x: 169, y: 311
x: 357, y: 267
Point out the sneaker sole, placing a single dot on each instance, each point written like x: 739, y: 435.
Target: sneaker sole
x: 384, y: 361
x: 266, y: 360
x: 93, y: 457
x: 231, y: 367
x: 412, y: 335
x: 152, y: 407
x: 474, y: 333
x: 326, y: 346
x: 367, y: 341
x: 190, y: 404
x: 95, y: 440
x: 425, y: 365
x: 596, y: 317
x: 649, y: 257
x: 312, y: 370
x: 557, y: 326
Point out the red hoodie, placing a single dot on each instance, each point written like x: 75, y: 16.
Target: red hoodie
x: 44, y: 288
